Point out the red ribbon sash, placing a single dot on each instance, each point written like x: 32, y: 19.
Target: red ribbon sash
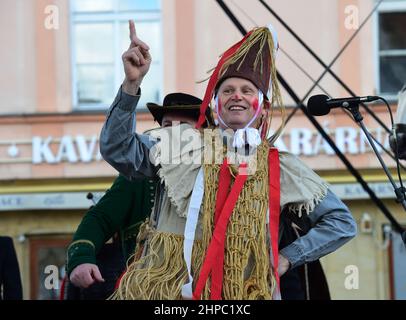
x: 214, y: 261
x: 274, y: 205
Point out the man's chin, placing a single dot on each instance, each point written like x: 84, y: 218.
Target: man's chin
x: 236, y: 126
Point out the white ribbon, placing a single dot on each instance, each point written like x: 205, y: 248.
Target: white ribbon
x: 190, y: 231
x: 275, y: 39
x: 249, y: 135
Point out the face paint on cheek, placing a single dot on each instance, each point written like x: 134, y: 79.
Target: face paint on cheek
x: 255, y: 104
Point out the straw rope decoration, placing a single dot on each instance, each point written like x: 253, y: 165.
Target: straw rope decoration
x: 247, y: 271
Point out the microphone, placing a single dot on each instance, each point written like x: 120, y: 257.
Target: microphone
x: 320, y: 105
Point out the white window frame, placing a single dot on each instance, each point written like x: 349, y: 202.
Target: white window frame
x: 385, y: 7
x: 116, y: 18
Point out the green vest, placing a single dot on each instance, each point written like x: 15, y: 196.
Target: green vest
x: 122, y: 209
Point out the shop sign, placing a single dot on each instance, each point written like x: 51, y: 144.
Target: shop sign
x: 299, y: 141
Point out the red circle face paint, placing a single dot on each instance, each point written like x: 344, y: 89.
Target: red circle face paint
x: 255, y: 104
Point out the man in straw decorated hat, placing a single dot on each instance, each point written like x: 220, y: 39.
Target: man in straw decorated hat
x: 218, y: 228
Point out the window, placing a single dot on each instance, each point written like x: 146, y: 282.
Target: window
x: 397, y: 264
x: 99, y: 37
x: 392, y: 47
x: 47, y: 266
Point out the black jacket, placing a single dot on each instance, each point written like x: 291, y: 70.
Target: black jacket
x: 10, y: 279
x: 306, y: 282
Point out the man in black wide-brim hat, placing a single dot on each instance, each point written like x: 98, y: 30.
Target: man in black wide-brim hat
x: 95, y: 266
x: 180, y: 107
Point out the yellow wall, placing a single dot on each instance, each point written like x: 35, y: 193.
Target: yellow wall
x: 364, y: 252
x: 37, y: 223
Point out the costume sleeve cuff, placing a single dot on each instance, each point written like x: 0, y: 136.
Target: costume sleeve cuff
x: 294, y: 254
x: 127, y: 102
x: 79, y: 252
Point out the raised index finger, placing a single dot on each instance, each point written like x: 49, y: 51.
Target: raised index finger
x: 135, y: 41
x: 132, y: 29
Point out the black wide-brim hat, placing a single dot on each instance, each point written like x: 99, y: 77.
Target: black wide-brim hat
x: 179, y: 102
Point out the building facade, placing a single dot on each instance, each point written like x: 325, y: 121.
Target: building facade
x: 62, y: 67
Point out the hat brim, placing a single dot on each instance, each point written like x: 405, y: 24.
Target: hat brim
x: 158, y: 111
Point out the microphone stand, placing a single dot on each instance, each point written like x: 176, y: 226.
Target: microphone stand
x: 353, y: 107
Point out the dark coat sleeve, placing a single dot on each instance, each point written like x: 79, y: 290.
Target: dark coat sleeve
x: 101, y: 222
